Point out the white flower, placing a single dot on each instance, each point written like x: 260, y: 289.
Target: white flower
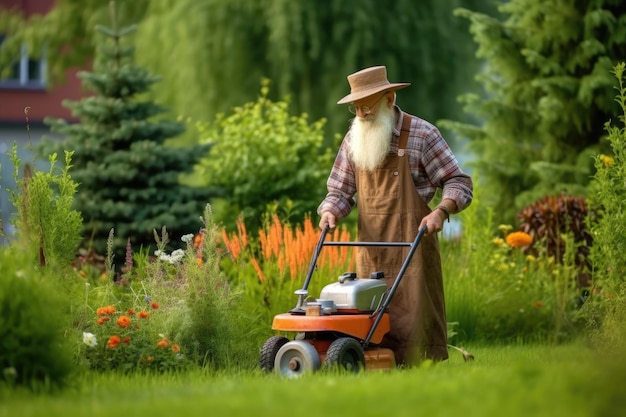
x: 177, y: 255
x: 90, y: 339
x: 187, y: 238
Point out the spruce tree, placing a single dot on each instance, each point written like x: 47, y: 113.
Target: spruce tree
x: 548, y: 90
x: 128, y: 175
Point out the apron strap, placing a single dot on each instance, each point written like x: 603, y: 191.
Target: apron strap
x: 404, y: 132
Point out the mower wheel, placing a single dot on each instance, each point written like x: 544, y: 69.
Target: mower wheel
x: 345, y: 353
x: 295, y: 358
x: 269, y: 350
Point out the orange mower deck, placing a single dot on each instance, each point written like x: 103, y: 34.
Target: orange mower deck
x: 355, y: 325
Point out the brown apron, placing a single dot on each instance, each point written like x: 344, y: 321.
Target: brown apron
x: 390, y: 210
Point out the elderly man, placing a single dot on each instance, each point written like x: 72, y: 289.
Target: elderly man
x: 393, y: 162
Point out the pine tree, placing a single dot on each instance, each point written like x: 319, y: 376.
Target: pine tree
x: 548, y: 92
x: 128, y: 176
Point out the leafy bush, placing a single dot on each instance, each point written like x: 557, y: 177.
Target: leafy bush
x: 195, y: 319
x: 609, y: 195
x: 33, y: 350
x: 128, y: 335
x: 264, y: 158
x: 551, y: 217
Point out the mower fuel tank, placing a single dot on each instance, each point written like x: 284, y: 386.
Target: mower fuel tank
x: 352, y: 293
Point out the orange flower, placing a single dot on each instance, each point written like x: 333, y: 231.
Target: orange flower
x: 113, y: 341
x: 175, y: 348
x: 105, y: 311
x: 143, y: 314
x: 538, y: 304
x: 154, y: 305
x: 101, y: 321
x: 163, y: 343
x: 126, y: 340
x: 131, y: 312
x: 123, y: 321
x: 519, y: 239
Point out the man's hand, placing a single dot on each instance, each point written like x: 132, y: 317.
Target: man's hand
x: 328, y: 219
x: 434, y: 221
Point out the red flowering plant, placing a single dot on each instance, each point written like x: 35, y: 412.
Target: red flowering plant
x: 125, y: 338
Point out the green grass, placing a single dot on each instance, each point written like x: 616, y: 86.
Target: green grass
x: 525, y: 380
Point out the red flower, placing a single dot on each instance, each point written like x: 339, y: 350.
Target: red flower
x: 113, y: 342
x: 154, y: 305
x: 126, y: 340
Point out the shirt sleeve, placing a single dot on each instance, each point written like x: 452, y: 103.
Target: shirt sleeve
x: 442, y: 169
x: 341, y: 185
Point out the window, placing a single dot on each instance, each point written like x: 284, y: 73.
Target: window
x: 26, y: 72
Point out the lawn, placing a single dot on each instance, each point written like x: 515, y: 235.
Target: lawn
x: 523, y: 380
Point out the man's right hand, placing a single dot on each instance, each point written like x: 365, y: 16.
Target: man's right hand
x: 328, y: 219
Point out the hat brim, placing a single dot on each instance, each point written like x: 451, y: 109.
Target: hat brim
x: 370, y: 92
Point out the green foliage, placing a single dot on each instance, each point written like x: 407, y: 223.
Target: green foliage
x: 194, y: 320
x: 497, y: 292
x: 547, y: 94
x: 127, y: 335
x: 128, y: 174
x: 264, y: 157
x: 33, y: 350
x: 46, y: 220
x: 226, y: 47
x: 609, y: 195
x: 211, y: 323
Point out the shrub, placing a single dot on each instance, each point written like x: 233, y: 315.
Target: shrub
x: 33, y: 351
x: 47, y: 225
x: 609, y: 195
x: 549, y: 218
x: 197, y: 320
x: 264, y: 158
x: 127, y: 335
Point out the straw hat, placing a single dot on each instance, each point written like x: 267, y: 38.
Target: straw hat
x: 368, y: 82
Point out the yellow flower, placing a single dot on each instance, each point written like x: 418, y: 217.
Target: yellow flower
x: 519, y: 239
x: 498, y: 241
x: 531, y: 258
x: 504, y: 228
x: 607, y: 160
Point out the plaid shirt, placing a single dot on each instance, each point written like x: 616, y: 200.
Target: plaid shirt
x: 432, y: 164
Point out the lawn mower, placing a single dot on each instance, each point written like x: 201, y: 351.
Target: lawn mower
x: 343, y: 328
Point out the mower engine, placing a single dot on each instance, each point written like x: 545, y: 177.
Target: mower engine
x: 351, y: 295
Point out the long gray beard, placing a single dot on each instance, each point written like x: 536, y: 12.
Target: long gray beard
x: 370, y: 139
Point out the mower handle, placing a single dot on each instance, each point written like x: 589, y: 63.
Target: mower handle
x: 303, y: 292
